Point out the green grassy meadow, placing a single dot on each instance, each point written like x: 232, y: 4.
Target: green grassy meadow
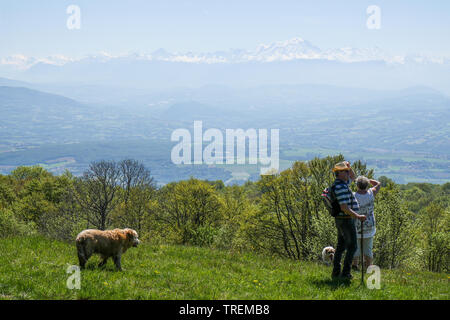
x: 35, y: 268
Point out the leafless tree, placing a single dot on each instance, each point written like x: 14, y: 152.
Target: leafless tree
x: 137, y: 191
x: 96, y: 192
x: 133, y: 174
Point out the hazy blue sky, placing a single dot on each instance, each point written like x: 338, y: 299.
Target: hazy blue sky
x: 38, y: 28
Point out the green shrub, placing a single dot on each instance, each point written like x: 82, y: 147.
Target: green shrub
x: 11, y: 226
x: 203, y: 236
x: 395, y: 229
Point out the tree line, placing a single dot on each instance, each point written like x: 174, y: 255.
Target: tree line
x: 279, y: 214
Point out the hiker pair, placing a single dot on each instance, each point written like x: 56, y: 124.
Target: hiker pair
x: 353, y: 212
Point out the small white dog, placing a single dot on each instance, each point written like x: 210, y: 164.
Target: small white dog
x: 328, y: 255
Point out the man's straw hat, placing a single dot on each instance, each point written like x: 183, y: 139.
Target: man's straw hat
x: 341, y: 166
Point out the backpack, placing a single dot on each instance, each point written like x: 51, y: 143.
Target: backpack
x: 330, y: 201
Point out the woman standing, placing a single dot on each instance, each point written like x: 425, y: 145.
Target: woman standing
x: 365, y: 197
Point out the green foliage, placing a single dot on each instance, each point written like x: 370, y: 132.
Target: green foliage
x: 28, y: 173
x: 188, y: 209
x: 446, y: 188
x: 280, y: 215
x: 7, y: 194
x: 236, y: 207
x: 385, y: 181
x: 394, y: 224
x: 434, y: 223
x: 11, y: 226
x: 138, y: 211
x: 202, y: 236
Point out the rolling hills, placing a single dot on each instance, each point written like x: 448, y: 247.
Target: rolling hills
x: 401, y: 133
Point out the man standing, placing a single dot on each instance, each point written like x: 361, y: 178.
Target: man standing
x: 345, y: 222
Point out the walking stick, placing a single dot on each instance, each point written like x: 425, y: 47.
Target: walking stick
x: 362, y: 257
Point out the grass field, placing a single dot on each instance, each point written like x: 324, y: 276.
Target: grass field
x: 35, y: 268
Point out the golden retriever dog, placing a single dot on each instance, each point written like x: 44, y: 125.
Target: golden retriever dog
x: 328, y: 255
x: 108, y: 243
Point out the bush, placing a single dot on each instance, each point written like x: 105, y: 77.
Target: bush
x: 203, y: 236
x: 10, y: 225
x: 60, y: 226
x: 325, y: 233
x: 395, y: 229
x: 224, y: 237
x: 434, y: 223
x: 189, y: 210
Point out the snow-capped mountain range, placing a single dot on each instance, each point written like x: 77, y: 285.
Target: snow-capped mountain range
x: 293, y: 49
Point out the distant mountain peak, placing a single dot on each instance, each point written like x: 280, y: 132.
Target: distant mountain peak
x: 160, y: 53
